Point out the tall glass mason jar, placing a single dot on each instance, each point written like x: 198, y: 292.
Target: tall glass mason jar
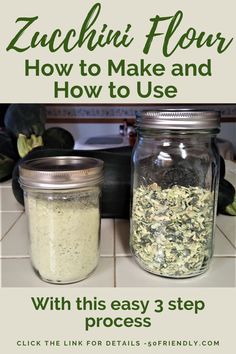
x: 62, y: 203
x: 175, y: 187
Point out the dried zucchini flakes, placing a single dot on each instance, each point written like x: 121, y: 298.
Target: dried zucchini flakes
x: 172, y: 229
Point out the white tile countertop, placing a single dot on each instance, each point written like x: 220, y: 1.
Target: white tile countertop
x: 116, y: 266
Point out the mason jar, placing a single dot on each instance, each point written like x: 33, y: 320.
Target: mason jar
x: 62, y: 203
x: 175, y: 186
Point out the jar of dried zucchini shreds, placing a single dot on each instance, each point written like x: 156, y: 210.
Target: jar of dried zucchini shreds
x: 62, y: 205
x: 175, y: 186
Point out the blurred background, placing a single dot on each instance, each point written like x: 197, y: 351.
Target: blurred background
x: 107, y: 126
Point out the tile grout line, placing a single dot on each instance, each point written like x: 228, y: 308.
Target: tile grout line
x: 226, y: 237
x: 11, y: 226
x: 114, y: 254
x: 125, y: 256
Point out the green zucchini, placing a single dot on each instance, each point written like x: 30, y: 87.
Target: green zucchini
x: 8, y: 145
x: 6, y: 167
x: 222, y: 168
x: 225, y: 197
x: 58, y: 138
x: 231, y: 208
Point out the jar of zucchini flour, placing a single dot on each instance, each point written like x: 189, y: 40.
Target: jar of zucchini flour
x: 175, y: 186
x: 62, y: 205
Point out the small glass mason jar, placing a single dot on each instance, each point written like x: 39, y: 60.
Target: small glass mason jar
x: 175, y: 181
x: 62, y: 203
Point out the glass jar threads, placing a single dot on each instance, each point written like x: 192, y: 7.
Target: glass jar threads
x: 62, y: 205
x: 175, y: 185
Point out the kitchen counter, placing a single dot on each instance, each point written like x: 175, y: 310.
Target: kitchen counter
x: 116, y: 266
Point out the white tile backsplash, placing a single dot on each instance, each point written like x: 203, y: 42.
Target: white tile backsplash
x: 220, y: 274
x: 8, y: 201
x: 18, y: 272
x: 16, y: 243
x: 227, y: 225
x: 222, y: 246
x: 7, y: 220
x: 122, y: 237
x: 107, y: 237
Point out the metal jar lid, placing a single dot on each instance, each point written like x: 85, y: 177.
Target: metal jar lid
x: 180, y: 119
x: 61, y: 172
